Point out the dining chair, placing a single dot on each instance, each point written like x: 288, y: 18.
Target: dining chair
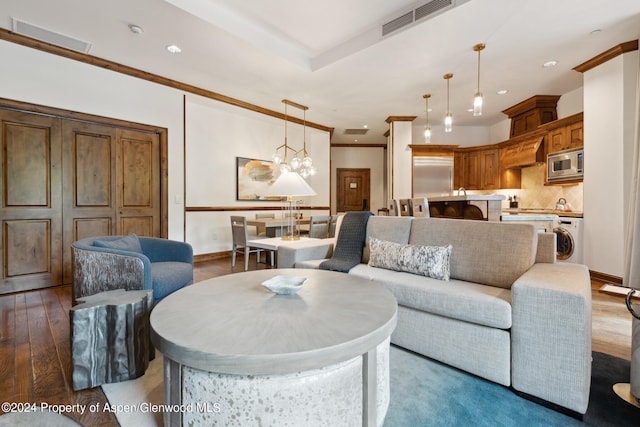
x: 319, y: 226
x: 240, y: 238
x: 404, y: 207
x: 261, y: 229
x: 333, y: 224
x: 420, y: 207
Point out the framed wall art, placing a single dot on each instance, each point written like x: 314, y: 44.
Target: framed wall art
x: 254, y: 177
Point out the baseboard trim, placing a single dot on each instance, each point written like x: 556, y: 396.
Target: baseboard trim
x: 211, y: 256
x: 606, y: 278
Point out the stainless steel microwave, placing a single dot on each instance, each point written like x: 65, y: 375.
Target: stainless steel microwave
x: 565, y: 165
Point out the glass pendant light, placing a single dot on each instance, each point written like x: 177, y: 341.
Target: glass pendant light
x: 448, y: 118
x: 427, y: 128
x: 477, y: 98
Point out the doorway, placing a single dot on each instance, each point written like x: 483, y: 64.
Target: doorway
x: 353, y: 189
x: 64, y: 179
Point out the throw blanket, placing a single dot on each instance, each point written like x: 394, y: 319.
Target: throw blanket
x: 348, y: 250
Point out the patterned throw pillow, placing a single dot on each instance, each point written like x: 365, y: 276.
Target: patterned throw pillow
x: 430, y: 261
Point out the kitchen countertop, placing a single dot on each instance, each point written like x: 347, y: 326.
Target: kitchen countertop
x: 530, y: 217
x: 530, y: 211
x: 469, y: 197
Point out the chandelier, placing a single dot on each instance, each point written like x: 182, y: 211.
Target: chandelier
x: 300, y: 162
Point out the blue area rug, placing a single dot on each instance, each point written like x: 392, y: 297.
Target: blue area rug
x: 428, y: 393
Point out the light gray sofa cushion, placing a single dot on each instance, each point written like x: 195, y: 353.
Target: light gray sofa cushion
x: 390, y: 228
x: 456, y: 299
x: 490, y: 253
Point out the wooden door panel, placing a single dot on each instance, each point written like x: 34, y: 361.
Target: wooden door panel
x: 89, y: 227
x: 353, y: 189
x: 138, y: 183
x: 27, y: 179
x: 137, y: 173
x: 140, y: 225
x: 27, y: 246
x: 31, y: 201
x: 92, y: 166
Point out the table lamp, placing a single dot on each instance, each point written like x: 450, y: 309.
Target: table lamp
x: 290, y: 185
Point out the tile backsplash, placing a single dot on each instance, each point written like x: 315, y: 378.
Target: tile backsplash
x: 534, y: 194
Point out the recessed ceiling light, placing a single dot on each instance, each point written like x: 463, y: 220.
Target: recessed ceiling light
x: 551, y: 63
x: 595, y: 32
x: 365, y: 126
x: 135, y: 29
x: 172, y: 48
x: 502, y: 92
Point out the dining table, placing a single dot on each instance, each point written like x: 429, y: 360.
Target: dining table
x: 274, y: 226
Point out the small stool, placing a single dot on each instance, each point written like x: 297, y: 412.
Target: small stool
x: 383, y: 211
x: 110, y: 337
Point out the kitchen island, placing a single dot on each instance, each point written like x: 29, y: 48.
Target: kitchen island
x: 484, y: 207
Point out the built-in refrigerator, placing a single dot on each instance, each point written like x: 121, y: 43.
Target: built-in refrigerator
x: 432, y: 175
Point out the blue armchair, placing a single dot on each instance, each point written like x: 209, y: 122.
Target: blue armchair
x: 130, y: 262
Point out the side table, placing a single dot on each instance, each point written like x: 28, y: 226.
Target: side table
x: 110, y: 337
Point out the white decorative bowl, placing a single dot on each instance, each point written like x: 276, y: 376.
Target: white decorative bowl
x: 284, y: 285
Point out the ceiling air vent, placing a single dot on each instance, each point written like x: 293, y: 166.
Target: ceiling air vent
x: 356, y: 131
x: 44, y: 35
x: 397, y: 23
x: 431, y: 7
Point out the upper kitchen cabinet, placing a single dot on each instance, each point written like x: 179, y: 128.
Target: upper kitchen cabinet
x: 564, y: 134
x: 527, y: 115
x: 477, y: 169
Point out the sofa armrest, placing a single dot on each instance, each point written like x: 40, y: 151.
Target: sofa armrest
x: 551, y: 334
x: 160, y: 250
x: 547, y: 248
x: 101, y: 270
x: 290, y: 253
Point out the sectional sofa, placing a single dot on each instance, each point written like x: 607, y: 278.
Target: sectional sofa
x: 504, y: 310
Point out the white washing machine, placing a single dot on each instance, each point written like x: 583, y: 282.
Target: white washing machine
x: 569, y: 238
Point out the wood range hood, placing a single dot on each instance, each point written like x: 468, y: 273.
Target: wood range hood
x: 525, y: 144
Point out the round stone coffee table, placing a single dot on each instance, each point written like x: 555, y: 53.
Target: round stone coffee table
x: 237, y: 354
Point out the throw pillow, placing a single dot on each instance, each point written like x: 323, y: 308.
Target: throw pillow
x: 129, y: 243
x: 430, y: 261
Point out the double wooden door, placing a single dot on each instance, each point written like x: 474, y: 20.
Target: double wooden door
x: 62, y: 180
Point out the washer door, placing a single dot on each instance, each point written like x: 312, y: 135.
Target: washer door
x: 564, y: 242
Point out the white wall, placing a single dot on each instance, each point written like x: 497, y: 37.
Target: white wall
x: 40, y: 78
x: 372, y: 158
x: 609, y: 97
x: 464, y: 136
x: 216, y: 133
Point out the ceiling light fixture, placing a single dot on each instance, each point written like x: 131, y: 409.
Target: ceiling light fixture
x: 550, y: 64
x: 172, y: 48
x: 303, y: 166
x: 502, y: 92
x: 427, y: 128
x: 448, y: 118
x: 135, y: 29
x: 477, y: 98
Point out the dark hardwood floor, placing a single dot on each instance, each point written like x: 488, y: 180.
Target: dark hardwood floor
x: 35, y: 353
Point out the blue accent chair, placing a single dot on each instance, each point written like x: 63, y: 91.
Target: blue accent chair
x: 131, y: 262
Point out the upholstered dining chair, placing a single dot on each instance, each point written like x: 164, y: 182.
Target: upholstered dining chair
x: 404, y: 207
x: 241, y: 237
x: 319, y: 226
x: 130, y: 262
x: 420, y: 207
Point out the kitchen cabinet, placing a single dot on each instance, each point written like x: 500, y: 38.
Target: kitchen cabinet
x: 565, y: 137
x: 477, y: 169
x: 529, y: 114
